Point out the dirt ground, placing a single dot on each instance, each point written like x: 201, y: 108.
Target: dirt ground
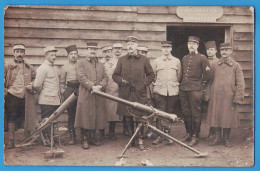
x: 240, y: 155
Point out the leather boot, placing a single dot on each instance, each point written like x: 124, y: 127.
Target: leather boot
x: 217, y: 138
x: 92, y: 138
x: 11, y: 132
x: 141, y: 138
x: 72, y: 140
x: 112, y: 134
x: 130, y: 128
x: 125, y: 130
x: 85, y: 137
x: 167, y: 130
x: 226, y: 134
x: 212, y: 134
x: 157, y: 141
x: 188, y: 126
x: 46, y: 135
x: 195, y: 136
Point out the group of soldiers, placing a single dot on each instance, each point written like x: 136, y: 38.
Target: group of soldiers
x: 218, y: 81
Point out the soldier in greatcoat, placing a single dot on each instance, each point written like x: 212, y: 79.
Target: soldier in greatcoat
x: 90, y: 113
x: 112, y: 89
x: 132, y: 74
x: 226, y: 92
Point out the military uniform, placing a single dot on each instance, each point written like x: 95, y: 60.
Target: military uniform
x: 196, y: 71
x: 69, y: 84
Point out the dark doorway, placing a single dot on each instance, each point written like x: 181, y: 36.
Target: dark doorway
x: 179, y: 36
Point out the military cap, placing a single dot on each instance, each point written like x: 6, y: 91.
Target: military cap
x: 19, y: 46
x: 166, y: 43
x: 50, y: 49
x: 71, y: 48
x: 105, y: 48
x: 131, y: 39
x: 193, y: 39
x: 92, y: 44
x: 118, y: 45
x: 210, y: 44
x: 225, y: 46
x: 143, y: 48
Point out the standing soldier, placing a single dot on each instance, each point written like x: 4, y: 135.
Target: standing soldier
x: 226, y: 92
x: 196, y: 73
x: 90, y: 113
x: 211, y: 50
x: 167, y: 69
x: 133, y: 72
x: 117, y: 50
x: 69, y: 83
x: 19, y: 101
x: 111, y: 88
x: 143, y: 50
x: 47, y: 82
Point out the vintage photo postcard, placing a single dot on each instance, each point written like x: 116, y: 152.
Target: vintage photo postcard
x: 129, y: 86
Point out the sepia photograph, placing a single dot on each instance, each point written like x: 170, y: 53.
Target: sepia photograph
x: 129, y: 86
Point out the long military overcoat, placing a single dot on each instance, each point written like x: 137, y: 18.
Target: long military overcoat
x: 90, y: 113
x: 138, y: 71
x: 226, y: 91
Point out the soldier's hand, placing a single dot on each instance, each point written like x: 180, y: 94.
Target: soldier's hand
x: 125, y: 82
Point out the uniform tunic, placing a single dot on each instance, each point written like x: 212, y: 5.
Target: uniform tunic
x: 90, y: 113
x: 112, y: 89
x: 226, y: 91
x: 138, y: 71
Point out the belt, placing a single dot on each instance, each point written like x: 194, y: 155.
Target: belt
x: 73, y: 84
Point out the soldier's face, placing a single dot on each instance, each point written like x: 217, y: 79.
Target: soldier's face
x: 193, y: 46
x: 107, y: 54
x: 211, y: 52
x: 50, y: 56
x: 73, y: 56
x: 225, y: 53
x: 117, y: 51
x: 92, y: 52
x: 166, y: 50
x: 142, y: 52
x: 131, y: 47
x: 19, y: 54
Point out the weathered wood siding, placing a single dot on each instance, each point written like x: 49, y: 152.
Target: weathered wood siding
x: 61, y: 26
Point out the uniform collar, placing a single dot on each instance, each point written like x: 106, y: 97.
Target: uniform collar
x: 212, y: 57
x: 15, y: 64
x: 136, y: 55
x: 229, y: 61
x: 194, y: 53
x: 92, y: 60
x: 169, y: 57
x: 48, y: 63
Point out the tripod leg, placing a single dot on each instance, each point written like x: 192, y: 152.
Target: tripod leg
x: 132, y: 138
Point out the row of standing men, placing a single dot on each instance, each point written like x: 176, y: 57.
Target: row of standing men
x: 130, y: 77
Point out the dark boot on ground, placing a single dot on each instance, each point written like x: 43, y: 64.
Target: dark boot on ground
x: 47, y: 138
x: 130, y: 128
x: 85, y: 138
x: 226, y: 134
x: 125, y: 130
x: 212, y: 134
x: 157, y: 141
x: 11, y: 132
x: 167, y: 130
x: 92, y: 138
x: 217, y: 139
x: 188, y: 126
x: 196, y: 130
x: 72, y: 140
x: 112, y: 134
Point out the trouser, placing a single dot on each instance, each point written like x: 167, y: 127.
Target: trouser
x: 47, y: 111
x: 164, y: 103
x: 191, y: 109
x: 15, y: 109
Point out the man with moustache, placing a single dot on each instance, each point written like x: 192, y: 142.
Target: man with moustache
x: 117, y: 50
x: 167, y: 69
x: 132, y: 74
x: 112, y: 89
x: 69, y: 84
x: 226, y: 92
x: 196, y: 73
x: 19, y: 100
x: 90, y: 113
x: 48, y: 84
x: 211, y: 50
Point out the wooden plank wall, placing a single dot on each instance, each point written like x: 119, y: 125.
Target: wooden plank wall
x: 61, y: 26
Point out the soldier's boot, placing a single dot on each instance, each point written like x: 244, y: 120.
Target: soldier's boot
x: 125, y: 130
x: 212, y: 134
x: 188, y: 126
x: 46, y: 135
x: 167, y: 130
x: 72, y: 140
x: 130, y: 128
x: 112, y: 133
x: 85, y: 138
x: 100, y: 136
x: 157, y: 141
x: 159, y: 126
x: 226, y: 134
x: 92, y: 138
x: 195, y: 135
x: 140, y: 138
x: 11, y: 132
x: 217, y: 139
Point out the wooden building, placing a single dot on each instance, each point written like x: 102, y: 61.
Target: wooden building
x: 61, y: 26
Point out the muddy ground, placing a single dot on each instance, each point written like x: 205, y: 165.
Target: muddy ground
x: 240, y: 155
